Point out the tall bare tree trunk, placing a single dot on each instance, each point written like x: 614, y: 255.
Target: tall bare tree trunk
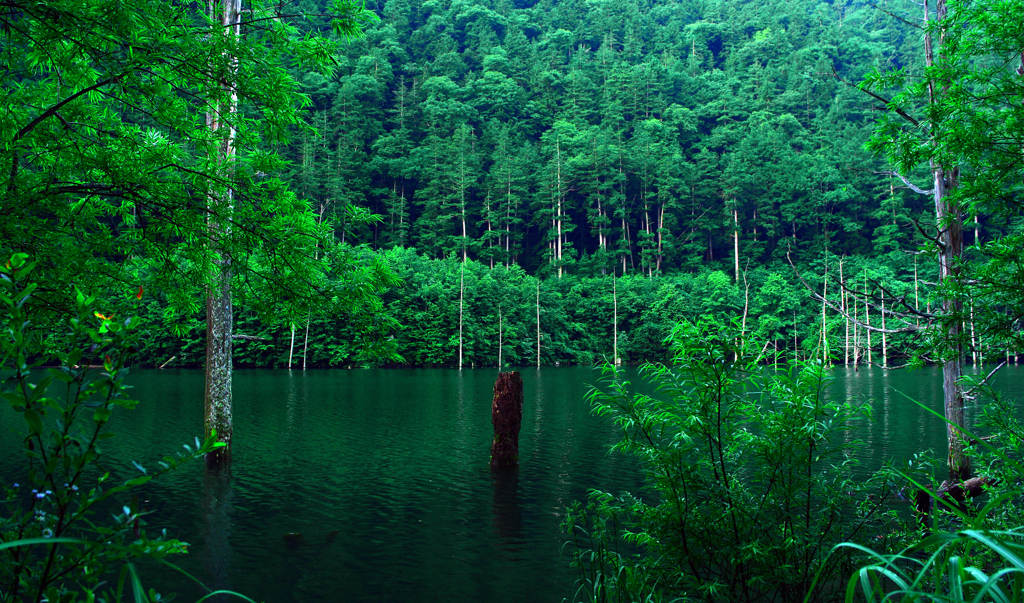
x: 305, y: 341
x: 462, y: 293
x: 975, y: 347
x: 843, y: 305
x: 217, y: 411
x: 736, y: 241
x: 560, y: 195
x: 885, y: 348
x: 867, y: 319
x: 538, y: 323
x: 661, y: 230
x: 856, y: 334
x: 615, y: 322
x: 291, y: 346
x: 625, y: 237
x: 949, y: 219
x: 746, y: 303
x: 499, y: 337
x: 824, y: 323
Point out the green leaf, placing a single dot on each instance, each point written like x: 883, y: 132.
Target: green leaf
x: 138, y: 481
x: 22, y: 296
x: 139, y: 593
x: 998, y: 546
x: 35, y: 422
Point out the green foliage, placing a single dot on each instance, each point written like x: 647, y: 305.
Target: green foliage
x: 111, y: 172
x: 606, y: 571
x: 416, y: 321
x: 965, y: 112
x: 945, y: 567
x: 54, y: 548
x: 641, y: 135
x: 752, y: 482
x: 982, y: 560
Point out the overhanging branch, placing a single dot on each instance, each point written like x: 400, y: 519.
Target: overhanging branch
x: 882, y: 99
x: 248, y: 337
x: 909, y: 184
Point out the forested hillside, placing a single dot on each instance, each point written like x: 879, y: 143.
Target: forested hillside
x: 700, y: 142
x: 655, y: 136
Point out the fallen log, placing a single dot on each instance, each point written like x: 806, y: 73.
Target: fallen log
x: 953, y: 493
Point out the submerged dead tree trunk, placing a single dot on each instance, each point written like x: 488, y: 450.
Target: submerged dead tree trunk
x: 222, y: 106
x: 507, y: 418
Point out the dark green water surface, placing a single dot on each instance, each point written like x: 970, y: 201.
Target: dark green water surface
x: 397, y: 462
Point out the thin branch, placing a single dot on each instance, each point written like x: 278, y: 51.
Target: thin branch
x: 814, y: 294
x: 901, y: 299
x: 933, y: 238
x: 882, y: 99
x: 909, y: 184
x: 248, y: 337
x: 898, y: 18
x: 52, y: 110
x: 969, y: 394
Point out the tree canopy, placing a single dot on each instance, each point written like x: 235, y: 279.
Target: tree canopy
x: 109, y: 165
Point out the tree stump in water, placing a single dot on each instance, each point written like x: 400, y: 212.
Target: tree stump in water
x: 507, y: 417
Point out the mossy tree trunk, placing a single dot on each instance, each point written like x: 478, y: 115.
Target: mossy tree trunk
x: 220, y: 120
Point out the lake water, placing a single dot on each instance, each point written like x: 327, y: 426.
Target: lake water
x: 396, y: 462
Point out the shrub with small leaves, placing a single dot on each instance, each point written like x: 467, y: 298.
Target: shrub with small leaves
x: 751, y: 479
x: 53, y: 548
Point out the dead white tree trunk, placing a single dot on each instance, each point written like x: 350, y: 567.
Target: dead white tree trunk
x: 856, y: 335
x: 462, y: 293
x: 885, y: 348
x: 824, y: 323
x: 949, y: 219
x: 736, y: 241
x: 291, y: 346
x: 975, y: 344
x: 615, y: 322
x: 867, y: 318
x: 305, y: 342
x: 538, y: 323
x: 846, y: 317
x: 746, y: 302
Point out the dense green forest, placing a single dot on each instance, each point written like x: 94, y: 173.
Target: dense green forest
x: 693, y: 144
x: 652, y: 137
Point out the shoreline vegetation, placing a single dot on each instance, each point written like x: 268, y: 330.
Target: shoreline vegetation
x: 582, y: 320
